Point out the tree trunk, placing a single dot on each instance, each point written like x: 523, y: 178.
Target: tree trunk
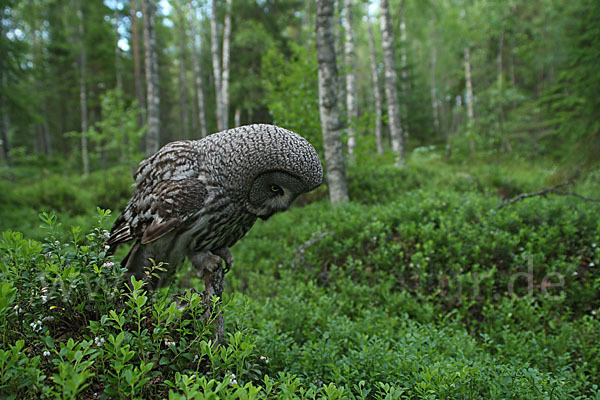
x: 214, y: 48
x: 404, y: 69
x: 151, y: 63
x: 83, y: 93
x: 198, y: 74
x: 339, y: 53
x: 139, y: 91
x: 351, y: 114
x: 469, y: 97
x: 119, y: 78
x: 390, y: 85
x: 375, y: 82
x: 434, y: 99
x: 183, y: 86
x: 237, y: 117
x: 5, y: 129
x: 225, y: 76
x: 328, y: 107
x: 499, y: 60
x: 44, y: 133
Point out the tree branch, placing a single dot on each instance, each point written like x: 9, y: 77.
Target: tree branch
x: 543, y: 192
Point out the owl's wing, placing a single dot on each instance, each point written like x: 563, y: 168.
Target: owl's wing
x: 176, y: 160
x: 152, y: 213
x: 150, y: 204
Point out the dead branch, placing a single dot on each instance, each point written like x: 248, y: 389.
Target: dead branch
x: 543, y: 192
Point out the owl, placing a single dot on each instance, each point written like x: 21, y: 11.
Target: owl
x: 197, y: 198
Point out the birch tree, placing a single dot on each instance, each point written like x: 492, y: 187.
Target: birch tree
x: 183, y: 97
x: 216, y: 61
x: 225, y: 77
x: 469, y: 96
x: 375, y: 83
x: 404, y: 68
x: 198, y: 74
x: 83, y: 92
x: 391, y: 79
x: 137, y: 71
x: 351, y: 113
x: 152, y: 93
x: 328, y: 107
x: 118, y: 74
x: 434, y: 99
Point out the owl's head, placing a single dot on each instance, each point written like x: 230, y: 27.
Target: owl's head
x: 273, y: 192
x: 264, y: 166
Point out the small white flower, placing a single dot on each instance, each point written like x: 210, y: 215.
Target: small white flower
x: 196, y: 358
x: 594, y: 313
x: 265, y: 359
x: 36, y: 326
x: 575, y: 273
x: 232, y: 380
x: 169, y: 342
x: 593, y: 244
x: 592, y: 264
x: 106, y: 234
x: 46, y: 353
x: 16, y: 308
x: 106, y: 247
x: 109, y: 264
x: 44, y: 299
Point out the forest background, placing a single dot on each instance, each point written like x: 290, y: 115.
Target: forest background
x: 424, y: 282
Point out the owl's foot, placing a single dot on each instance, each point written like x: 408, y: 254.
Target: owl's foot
x: 225, y: 254
x: 206, y: 262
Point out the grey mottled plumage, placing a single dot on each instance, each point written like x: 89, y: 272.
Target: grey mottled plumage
x: 196, y: 198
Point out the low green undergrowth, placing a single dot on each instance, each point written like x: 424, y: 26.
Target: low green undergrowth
x: 417, y: 289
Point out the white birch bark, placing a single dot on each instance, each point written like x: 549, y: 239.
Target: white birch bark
x: 137, y: 71
x: 183, y: 85
x: 152, y: 93
x: 328, y: 106
x: 83, y: 93
x: 404, y: 69
x: 216, y: 61
x: 390, y: 85
x: 339, y: 52
x: 469, y: 99
x: 434, y: 99
x: 198, y: 75
x: 375, y: 82
x: 351, y: 113
x: 237, y: 117
x: 225, y: 77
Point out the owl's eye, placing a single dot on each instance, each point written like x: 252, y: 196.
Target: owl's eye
x: 276, y: 189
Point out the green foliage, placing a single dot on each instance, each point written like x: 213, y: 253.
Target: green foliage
x: 572, y: 104
x: 117, y: 132
x: 417, y: 289
x: 291, y: 91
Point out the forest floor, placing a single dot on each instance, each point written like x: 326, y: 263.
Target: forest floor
x: 419, y: 288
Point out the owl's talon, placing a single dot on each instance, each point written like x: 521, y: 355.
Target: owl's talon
x: 226, y: 256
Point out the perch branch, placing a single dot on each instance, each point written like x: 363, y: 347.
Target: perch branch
x: 543, y: 192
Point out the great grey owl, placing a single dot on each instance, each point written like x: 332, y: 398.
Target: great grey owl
x: 199, y: 197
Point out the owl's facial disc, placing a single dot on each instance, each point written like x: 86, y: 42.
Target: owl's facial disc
x: 273, y: 192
